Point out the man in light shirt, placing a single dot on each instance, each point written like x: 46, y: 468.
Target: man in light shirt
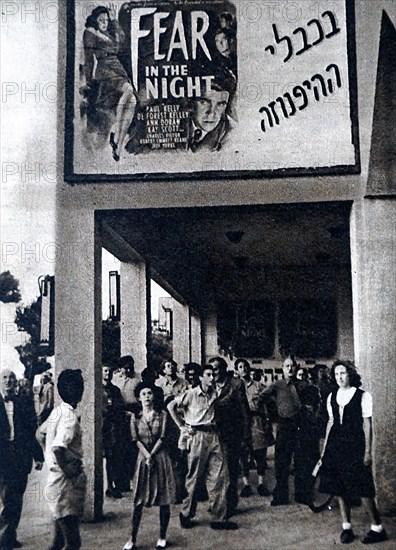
x: 172, y: 385
x: 194, y: 413
x: 126, y: 380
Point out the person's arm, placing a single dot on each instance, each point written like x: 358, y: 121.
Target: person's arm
x: 89, y: 56
x: 41, y: 433
x: 119, y: 404
x: 71, y: 468
x: 245, y: 415
x: 319, y: 463
x: 115, y: 30
x: 30, y: 425
x: 143, y: 450
x: 160, y: 440
x: 51, y: 397
x: 47, y: 404
x: 38, y: 455
x: 328, y: 429
x: 176, y: 416
x: 269, y: 392
x: 368, y: 439
x: 329, y: 425
x: 136, y: 439
x: 367, y: 414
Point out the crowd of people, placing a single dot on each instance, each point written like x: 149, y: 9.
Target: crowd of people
x: 183, y: 436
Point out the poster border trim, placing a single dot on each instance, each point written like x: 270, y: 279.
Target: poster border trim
x: 338, y: 170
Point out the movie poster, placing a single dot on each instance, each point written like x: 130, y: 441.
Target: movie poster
x: 208, y: 88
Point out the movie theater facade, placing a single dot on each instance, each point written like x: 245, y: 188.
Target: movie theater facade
x: 242, y: 155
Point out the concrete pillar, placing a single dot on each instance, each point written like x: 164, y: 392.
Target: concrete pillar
x: 277, y: 353
x: 134, y: 312
x: 78, y: 332
x: 345, y: 349
x: 181, y: 336
x: 195, y: 337
x: 373, y: 248
x: 211, y: 345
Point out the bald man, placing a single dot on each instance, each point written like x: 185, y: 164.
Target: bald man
x: 18, y: 447
x: 288, y: 407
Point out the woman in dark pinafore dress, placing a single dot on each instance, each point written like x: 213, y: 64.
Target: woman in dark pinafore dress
x: 346, y: 458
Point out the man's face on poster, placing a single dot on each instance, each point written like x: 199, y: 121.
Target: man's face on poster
x: 210, y: 108
x: 223, y: 44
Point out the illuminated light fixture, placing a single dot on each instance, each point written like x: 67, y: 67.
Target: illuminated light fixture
x: 114, y: 296
x: 47, y: 314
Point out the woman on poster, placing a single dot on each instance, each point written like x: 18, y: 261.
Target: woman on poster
x: 109, y: 92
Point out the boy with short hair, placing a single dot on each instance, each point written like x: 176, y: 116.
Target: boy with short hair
x: 257, y: 449
x: 67, y: 481
x: 194, y: 413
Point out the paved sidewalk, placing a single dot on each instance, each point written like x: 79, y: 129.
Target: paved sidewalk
x: 261, y: 527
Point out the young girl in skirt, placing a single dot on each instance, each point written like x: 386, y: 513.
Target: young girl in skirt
x: 346, y: 458
x: 153, y: 482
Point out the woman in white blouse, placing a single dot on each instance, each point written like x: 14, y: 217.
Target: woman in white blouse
x: 346, y: 457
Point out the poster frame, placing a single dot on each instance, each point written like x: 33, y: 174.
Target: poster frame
x: 70, y: 176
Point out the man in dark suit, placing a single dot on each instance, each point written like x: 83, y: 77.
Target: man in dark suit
x: 18, y: 447
x: 232, y: 421
x: 114, y: 434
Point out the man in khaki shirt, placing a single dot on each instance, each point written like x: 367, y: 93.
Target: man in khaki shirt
x: 288, y: 406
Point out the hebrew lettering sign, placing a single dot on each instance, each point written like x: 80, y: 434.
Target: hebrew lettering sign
x: 196, y: 88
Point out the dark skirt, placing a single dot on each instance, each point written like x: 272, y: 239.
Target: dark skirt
x: 343, y: 472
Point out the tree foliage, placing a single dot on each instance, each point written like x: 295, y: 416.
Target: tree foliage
x: 27, y: 320
x: 111, y: 342
x: 9, y: 288
x: 161, y: 348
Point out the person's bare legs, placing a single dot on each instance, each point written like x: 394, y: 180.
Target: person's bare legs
x: 137, y: 512
x: 377, y: 533
x: 124, y: 115
x: 371, y: 510
x: 347, y: 534
x: 136, y: 518
x: 164, y: 520
x: 345, y: 510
